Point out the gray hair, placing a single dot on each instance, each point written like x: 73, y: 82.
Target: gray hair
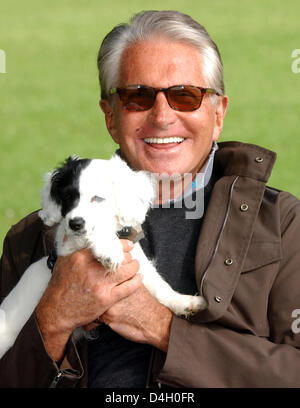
x: 172, y: 25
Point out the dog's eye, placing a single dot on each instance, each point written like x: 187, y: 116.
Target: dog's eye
x: 97, y: 199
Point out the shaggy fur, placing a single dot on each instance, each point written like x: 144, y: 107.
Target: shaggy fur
x: 90, y: 200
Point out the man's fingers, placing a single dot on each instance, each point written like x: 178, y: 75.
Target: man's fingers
x: 127, y: 245
x: 125, y: 272
x: 118, y: 293
x: 127, y: 288
x: 127, y: 258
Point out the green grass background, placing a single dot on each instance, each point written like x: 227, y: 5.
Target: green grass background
x: 49, y: 95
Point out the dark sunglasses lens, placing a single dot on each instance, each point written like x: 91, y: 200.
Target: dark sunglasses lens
x: 185, y: 98
x: 137, y: 99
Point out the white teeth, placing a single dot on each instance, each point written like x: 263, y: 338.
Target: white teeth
x: 164, y: 140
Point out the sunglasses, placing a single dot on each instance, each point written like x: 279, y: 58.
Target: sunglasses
x: 182, y: 98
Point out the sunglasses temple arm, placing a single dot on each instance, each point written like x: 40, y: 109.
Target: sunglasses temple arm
x: 211, y: 91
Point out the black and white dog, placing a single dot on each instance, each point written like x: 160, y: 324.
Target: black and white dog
x: 91, y: 200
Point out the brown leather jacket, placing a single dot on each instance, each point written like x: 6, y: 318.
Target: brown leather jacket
x: 248, y: 268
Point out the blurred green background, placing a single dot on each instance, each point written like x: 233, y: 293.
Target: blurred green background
x: 49, y: 94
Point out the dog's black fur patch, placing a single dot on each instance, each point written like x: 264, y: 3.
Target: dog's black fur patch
x: 65, y: 183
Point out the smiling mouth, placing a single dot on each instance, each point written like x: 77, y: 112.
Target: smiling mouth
x: 164, y: 140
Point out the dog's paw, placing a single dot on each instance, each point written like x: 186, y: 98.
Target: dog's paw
x: 186, y: 305
x: 197, y: 303
x: 110, y: 257
x: 109, y: 264
x: 112, y: 262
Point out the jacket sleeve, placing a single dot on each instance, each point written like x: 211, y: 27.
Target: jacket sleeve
x: 215, y: 355
x: 26, y: 363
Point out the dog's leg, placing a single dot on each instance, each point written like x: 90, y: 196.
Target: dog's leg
x: 20, y: 303
x: 179, y: 304
x: 108, y: 250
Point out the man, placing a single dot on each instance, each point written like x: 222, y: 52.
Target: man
x: 164, y: 104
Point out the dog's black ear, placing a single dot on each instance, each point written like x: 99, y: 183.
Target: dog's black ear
x: 64, y: 176
x: 51, y: 200
x: 51, y: 211
x: 71, y: 160
x: 61, y: 190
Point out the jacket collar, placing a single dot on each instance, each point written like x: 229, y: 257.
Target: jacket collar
x: 244, y: 159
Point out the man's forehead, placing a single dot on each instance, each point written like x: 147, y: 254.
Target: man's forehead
x: 169, y: 63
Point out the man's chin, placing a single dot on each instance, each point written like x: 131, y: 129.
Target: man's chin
x: 166, y: 169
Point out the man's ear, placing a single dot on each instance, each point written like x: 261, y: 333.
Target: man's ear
x: 109, y: 119
x: 50, y: 212
x: 220, y: 115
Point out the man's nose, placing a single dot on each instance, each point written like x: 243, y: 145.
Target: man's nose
x: 161, y: 114
x: 76, y: 223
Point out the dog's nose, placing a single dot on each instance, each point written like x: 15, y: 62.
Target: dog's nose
x: 76, y: 223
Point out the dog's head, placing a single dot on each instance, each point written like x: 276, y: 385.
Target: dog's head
x: 84, y: 192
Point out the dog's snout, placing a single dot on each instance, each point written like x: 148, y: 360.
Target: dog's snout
x: 76, y: 223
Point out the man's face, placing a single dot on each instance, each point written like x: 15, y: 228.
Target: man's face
x: 161, y: 63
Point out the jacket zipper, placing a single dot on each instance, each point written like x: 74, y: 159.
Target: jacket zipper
x: 151, y: 382
x: 220, y: 234
x: 56, y: 380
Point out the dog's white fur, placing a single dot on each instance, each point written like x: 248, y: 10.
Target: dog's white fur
x: 112, y: 196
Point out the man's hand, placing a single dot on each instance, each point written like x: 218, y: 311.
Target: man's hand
x: 140, y: 318
x: 79, y: 291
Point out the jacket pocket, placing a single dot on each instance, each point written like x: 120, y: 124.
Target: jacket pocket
x: 261, y: 253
